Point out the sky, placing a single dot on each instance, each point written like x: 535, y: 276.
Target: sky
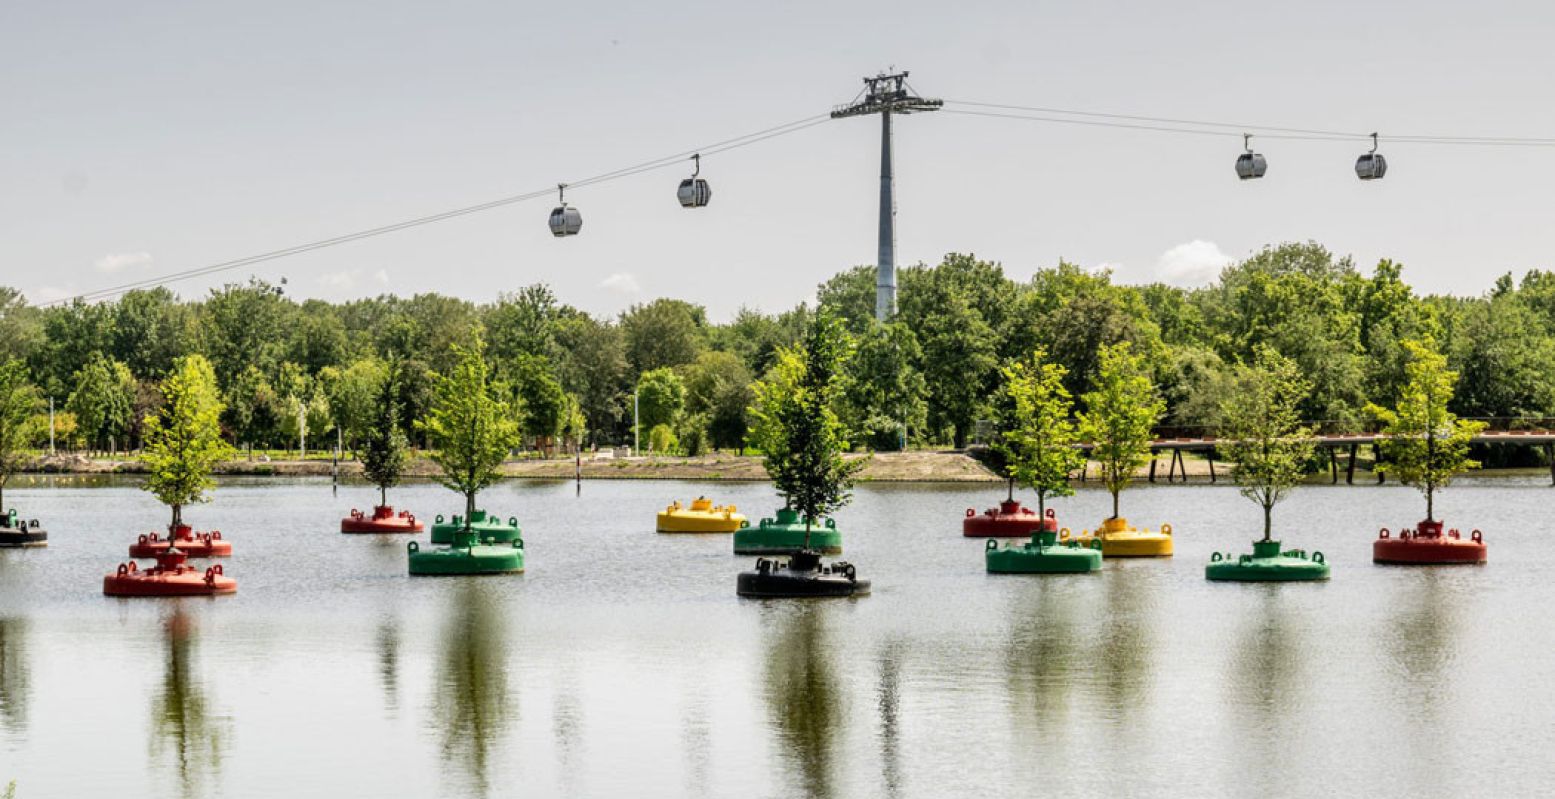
x: 139, y: 139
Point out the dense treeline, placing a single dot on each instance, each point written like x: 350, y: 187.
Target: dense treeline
x: 286, y: 368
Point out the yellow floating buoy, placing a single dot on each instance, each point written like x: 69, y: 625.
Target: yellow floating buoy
x: 1120, y: 540
x: 701, y: 517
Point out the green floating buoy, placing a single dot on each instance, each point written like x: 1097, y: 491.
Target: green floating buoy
x: 467, y: 557
x: 1044, y: 555
x: 485, y: 527
x: 785, y: 535
x: 1268, y: 564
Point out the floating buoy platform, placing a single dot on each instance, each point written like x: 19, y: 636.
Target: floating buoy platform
x: 1009, y: 520
x: 785, y: 535
x: 1044, y: 554
x: 701, y: 517
x: 1267, y: 564
x: 194, y: 545
x: 170, y: 577
x: 1119, y: 540
x: 16, y: 532
x: 1427, y: 545
x: 487, y: 528
x: 802, y: 576
x: 383, y: 520
x: 471, y: 558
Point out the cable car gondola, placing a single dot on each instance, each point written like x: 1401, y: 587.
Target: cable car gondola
x: 694, y: 191
x: 1250, y: 165
x: 1371, y: 166
x: 565, y: 220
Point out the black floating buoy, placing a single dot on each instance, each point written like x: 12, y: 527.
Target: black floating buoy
x: 802, y: 575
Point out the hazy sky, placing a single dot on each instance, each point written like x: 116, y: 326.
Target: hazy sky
x: 146, y: 137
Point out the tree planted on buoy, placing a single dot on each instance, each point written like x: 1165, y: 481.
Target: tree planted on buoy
x: 384, y: 447
x: 797, y: 428
x: 1121, y: 410
x: 1426, y: 444
x: 18, y: 402
x: 1039, y: 446
x: 469, y: 424
x: 1265, y: 440
x: 183, y: 440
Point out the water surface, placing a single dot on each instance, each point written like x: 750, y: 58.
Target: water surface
x: 622, y: 664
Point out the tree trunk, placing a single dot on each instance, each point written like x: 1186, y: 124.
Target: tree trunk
x: 178, y: 517
x: 1114, y: 504
x: 383, y: 495
x: 1011, y: 497
x: 1041, y: 504
x: 1430, y: 492
x: 807, y: 531
x: 469, y: 510
x: 1268, y: 521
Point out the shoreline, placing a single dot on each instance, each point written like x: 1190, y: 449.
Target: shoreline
x: 941, y: 466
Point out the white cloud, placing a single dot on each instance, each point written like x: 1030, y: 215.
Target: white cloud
x: 340, y: 280
x: 113, y: 262
x: 1193, y: 263
x: 621, y: 282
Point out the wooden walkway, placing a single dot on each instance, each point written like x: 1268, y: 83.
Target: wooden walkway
x: 1333, y: 443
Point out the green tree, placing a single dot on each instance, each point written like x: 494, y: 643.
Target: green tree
x: 717, y: 396
x: 469, y: 423
x: 18, y: 403
x: 354, y: 400
x: 661, y: 396
x: 958, y: 364
x: 540, y: 395
x: 384, y: 446
x: 797, y: 427
x: 253, y: 410
x: 1121, y: 409
x: 591, y: 364
x: 183, y: 440
x: 883, y: 390
x: 102, y: 400
x: 663, y: 333
x: 1426, y: 443
x: 1039, y: 448
x: 1263, y: 432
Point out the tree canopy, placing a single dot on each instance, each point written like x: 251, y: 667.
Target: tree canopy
x: 1262, y: 430
x: 470, y: 424
x: 1427, y: 444
x: 1039, y: 445
x: 797, y: 427
x: 1121, y: 410
x: 183, y: 439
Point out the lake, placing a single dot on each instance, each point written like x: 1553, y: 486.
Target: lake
x: 623, y: 664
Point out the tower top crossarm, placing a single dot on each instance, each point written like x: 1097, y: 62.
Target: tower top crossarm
x: 886, y: 93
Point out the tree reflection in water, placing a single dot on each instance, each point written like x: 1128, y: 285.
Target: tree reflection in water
x: 389, y: 661
x: 1044, y: 657
x: 471, y: 705
x: 889, y: 703
x: 1127, y: 644
x: 181, y: 722
x: 803, y: 700
x: 13, y: 673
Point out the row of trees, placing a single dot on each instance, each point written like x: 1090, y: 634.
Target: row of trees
x: 1261, y: 428
x: 289, y: 370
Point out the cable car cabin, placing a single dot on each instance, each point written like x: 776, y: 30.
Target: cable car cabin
x: 1252, y: 165
x: 694, y: 193
x: 1371, y: 166
x: 565, y: 221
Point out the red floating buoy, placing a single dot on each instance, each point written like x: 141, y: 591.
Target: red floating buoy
x: 170, y: 577
x: 194, y: 545
x: 383, y: 520
x: 1428, y: 545
x: 1009, y: 520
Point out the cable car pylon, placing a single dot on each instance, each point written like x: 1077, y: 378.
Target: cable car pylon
x: 886, y: 95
